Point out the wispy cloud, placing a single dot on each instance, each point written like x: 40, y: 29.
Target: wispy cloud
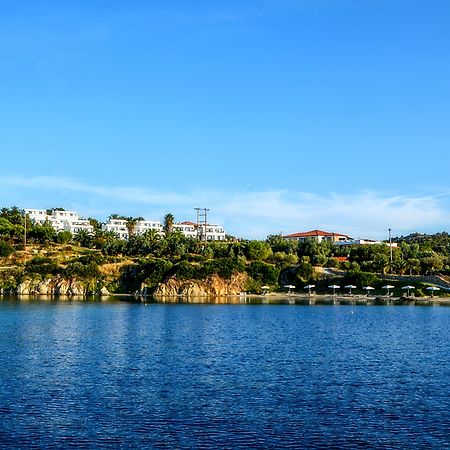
x: 247, y: 214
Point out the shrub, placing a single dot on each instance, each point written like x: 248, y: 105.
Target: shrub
x: 90, y: 257
x: 151, y: 271
x: 305, y: 270
x: 263, y: 272
x: 257, y: 250
x: 42, y: 266
x: 224, y: 267
x: 64, y: 237
x: 360, y: 279
x: 78, y: 269
x: 184, y: 270
x: 6, y: 249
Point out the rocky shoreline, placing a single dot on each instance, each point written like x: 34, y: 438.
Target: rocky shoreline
x: 57, y: 287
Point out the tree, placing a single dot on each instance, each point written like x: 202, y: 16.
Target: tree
x: 413, y: 265
x: 5, y: 249
x: 318, y: 252
x: 7, y: 229
x: 360, y: 279
x: 257, y: 250
x: 305, y: 270
x: 380, y: 263
x: 144, y: 244
x: 84, y: 238
x: 278, y: 244
x: 263, y: 272
x: 14, y: 215
x: 400, y: 266
x: 64, y: 237
x: 95, y: 224
x: 175, y: 244
x: 169, y: 220
x: 109, y: 243
x: 431, y: 263
x: 282, y: 260
x: 131, y: 225
x: 42, y: 233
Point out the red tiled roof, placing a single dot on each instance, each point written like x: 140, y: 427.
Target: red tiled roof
x: 313, y: 233
x: 194, y: 224
x: 188, y: 223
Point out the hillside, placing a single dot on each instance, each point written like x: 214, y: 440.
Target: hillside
x: 170, y: 263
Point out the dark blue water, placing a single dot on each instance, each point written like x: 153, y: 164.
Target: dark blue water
x: 121, y: 375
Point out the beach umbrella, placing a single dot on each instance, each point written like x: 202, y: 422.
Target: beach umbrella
x: 408, y: 288
x: 309, y: 287
x: 350, y: 287
x: 334, y: 287
x: 289, y: 287
x: 265, y: 287
x: 368, y: 288
x: 388, y: 287
x: 432, y: 289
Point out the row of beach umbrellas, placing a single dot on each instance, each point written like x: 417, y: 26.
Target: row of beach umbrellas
x: 333, y: 287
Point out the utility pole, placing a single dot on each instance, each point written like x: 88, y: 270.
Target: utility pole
x: 198, y: 222
x: 205, y: 210
x: 202, y: 221
x: 25, y: 232
x: 25, y: 236
x: 390, y: 250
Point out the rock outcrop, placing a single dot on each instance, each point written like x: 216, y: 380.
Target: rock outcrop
x: 213, y: 286
x: 58, y: 286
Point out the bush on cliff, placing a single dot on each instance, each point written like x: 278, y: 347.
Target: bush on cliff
x: 42, y: 266
x: 257, y: 250
x: 224, y: 267
x: 263, y: 272
x: 77, y: 269
x: 150, y: 271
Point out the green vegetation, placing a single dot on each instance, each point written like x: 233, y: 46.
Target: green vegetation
x: 148, y: 259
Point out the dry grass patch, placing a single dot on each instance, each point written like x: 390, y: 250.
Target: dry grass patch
x: 115, y: 269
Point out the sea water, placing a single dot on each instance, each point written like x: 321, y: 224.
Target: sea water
x: 129, y: 375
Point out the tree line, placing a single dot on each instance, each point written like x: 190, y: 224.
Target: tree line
x: 274, y: 261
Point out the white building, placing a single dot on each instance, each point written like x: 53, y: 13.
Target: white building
x: 119, y: 226
x: 365, y: 242
x: 317, y: 235
x: 146, y: 225
x: 208, y: 232
x: 60, y: 220
x: 71, y: 221
x: 188, y: 229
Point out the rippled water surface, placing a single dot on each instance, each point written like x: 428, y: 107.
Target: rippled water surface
x: 123, y: 375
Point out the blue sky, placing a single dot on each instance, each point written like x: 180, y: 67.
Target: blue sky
x: 277, y: 115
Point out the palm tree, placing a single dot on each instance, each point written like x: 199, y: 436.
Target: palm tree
x: 83, y: 238
x: 400, y: 266
x: 131, y: 225
x: 380, y: 263
x: 169, y: 220
x: 413, y: 265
